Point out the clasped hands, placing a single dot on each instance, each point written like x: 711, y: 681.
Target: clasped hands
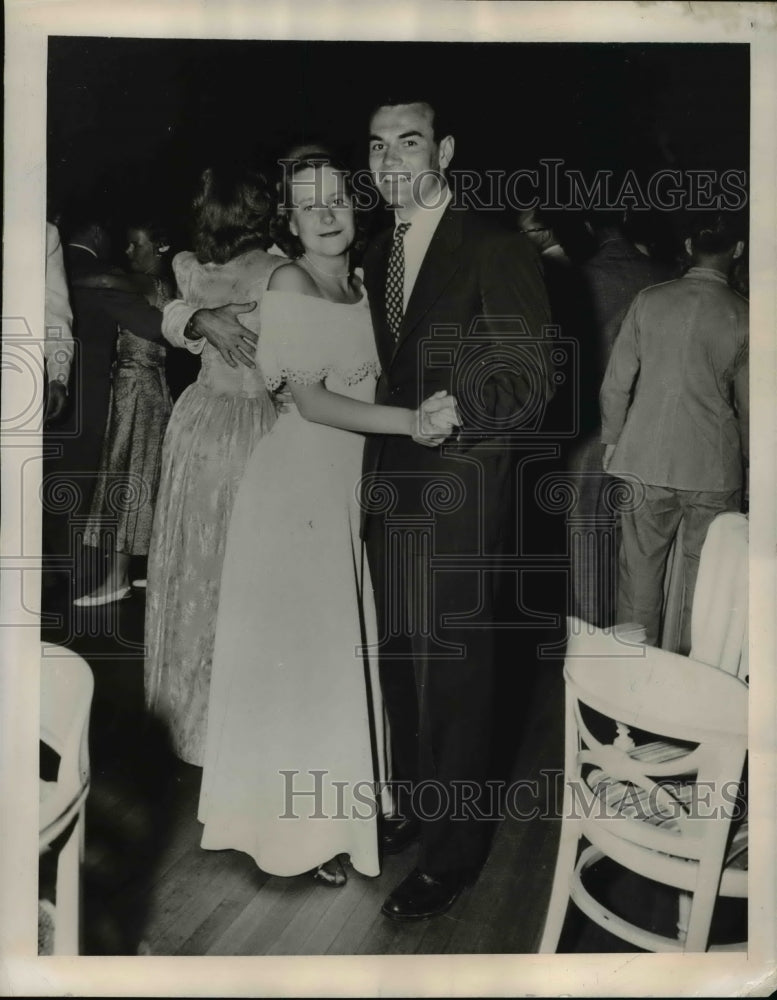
x: 435, y: 419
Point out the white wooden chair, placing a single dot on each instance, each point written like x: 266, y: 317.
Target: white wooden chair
x: 719, y: 632
x: 719, y: 616
x: 660, y: 805
x: 66, y: 688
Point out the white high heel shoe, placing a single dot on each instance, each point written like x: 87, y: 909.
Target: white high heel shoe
x: 331, y: 873
x: 87, y: 601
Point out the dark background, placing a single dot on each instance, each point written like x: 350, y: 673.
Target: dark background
x: 134, y: 120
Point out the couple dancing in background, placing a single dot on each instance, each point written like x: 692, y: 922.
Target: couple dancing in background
x: 293, y: 708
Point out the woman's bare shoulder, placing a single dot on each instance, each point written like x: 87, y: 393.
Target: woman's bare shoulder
x: 293, y: 278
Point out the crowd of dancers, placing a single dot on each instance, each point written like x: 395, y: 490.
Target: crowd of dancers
x: 322, y: 508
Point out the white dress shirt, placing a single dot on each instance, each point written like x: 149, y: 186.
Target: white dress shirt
x: 58, y: 316
x: 175, y: 317
x: 423, y: 225
x: 557, y: 252
x: 80, y: 246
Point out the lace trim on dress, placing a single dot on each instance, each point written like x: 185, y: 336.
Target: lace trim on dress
x: 309, y: 377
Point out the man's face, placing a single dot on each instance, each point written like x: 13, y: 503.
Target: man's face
x: 404, y: 158
x: 530, y: 226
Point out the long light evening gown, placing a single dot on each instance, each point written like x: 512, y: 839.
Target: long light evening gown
x: 214, y: 427
x: 294, y: 704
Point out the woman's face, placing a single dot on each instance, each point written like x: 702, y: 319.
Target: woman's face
x: 141, y: 252
x: 322, y: 213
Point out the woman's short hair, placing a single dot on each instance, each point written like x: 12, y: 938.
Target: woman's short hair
x: 282, y: 234
x: 233, y: 209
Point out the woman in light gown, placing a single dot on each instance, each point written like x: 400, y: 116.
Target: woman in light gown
x: 295, y: 701
x: 216, y: 423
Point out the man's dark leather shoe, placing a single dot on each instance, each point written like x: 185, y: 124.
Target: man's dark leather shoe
x: 398, y: 832
x: 421, y: 895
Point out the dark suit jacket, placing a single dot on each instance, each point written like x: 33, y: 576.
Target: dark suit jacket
x: 473, y: 326
x: 614, y: 275
x: 106, y: 307
x: 98, y: 314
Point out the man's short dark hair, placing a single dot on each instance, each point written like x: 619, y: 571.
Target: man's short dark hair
x: 81, y: 220
x: 602, y: 219
x: 441, y: 124
x: 715, y: 232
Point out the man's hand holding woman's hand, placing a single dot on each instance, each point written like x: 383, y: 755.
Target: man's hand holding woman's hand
x: 435, y: 419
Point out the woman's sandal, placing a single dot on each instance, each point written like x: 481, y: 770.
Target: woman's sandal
x: 331, y: 873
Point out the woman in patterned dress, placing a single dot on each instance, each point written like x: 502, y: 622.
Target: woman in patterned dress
x: 215, y: 425
x: 140, y: 407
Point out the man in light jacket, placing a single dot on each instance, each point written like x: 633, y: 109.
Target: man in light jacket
x: 675, y: 409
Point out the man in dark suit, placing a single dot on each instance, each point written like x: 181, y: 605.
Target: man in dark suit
x: 481, y: 288
x: 457, y: 304
x: 74, y: 447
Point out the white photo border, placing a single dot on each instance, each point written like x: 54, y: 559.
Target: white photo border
x: 22, y: 972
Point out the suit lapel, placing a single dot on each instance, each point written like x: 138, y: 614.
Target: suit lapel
x: 437, y: 269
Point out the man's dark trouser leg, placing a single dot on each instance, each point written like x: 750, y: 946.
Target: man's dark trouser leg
x: 456, y: 721
x: 397, y: 677
x: 439, y: 701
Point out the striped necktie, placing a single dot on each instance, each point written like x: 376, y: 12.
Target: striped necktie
x: 395, y: 279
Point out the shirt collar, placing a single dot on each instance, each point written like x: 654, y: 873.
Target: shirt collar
x: 82, y: 247
x: 707, y: 273
x: 554, y: 251
x: 426, y: 219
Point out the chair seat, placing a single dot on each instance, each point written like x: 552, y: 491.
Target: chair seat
x: 624, y: 800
